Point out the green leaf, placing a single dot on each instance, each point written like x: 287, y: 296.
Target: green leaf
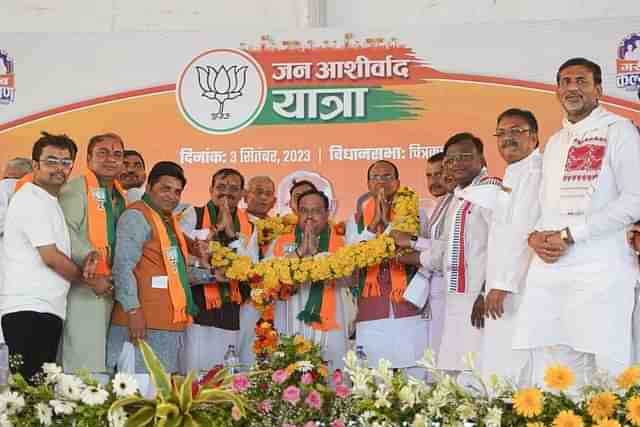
x: 143, y: 417
x: 160, y: 378
x: 185, y: 393
x: 129, y: 401
x: 189, y: 421
x: 167, y: 410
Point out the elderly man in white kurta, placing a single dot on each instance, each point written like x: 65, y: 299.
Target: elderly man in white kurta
x: 515, y: 209
x: 577, y: 306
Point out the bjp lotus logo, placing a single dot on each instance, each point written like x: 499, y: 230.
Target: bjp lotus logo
x: 213, y: 79
x: 222, y: 85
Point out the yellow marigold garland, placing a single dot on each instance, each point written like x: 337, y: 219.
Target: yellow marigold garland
x: 269, y: 229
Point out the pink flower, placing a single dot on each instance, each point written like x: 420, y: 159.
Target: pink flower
x: 337, y: 423
x: 240, y: 383
x: 311, y: 424
x: 342, y: 391
x: 291, y: 394
x: 307, y: 378
x: 314, y: 400
x: 235, y: 413
x: 266, y: 406
x: 337, y: 377
x: 279, y: 376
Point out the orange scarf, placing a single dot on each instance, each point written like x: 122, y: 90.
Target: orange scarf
x: 328, y: 320
x: 97, y: 220
x: 176, y: 290
x: 398, y: 272
x: 212, y: 297
x: 22, y: 181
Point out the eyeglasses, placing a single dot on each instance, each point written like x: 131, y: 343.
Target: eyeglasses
x: 54, y: 162
x: 515, y: 132
x: 382, y: 178
x: 460, y: 157
x: 312, y: 212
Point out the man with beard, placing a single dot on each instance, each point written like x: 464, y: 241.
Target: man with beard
x: 387, y: 326
x: 92, y: 204
x: 314, y: 310
x: 38, y: 269
x: 218, y: 320
x: 133, y: 175
x: 579, y: 295
x: 514, y: 213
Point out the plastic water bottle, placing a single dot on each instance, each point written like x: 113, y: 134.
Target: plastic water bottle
x: 362, y: 357
x: 231, y: 359
x: 4, y: 367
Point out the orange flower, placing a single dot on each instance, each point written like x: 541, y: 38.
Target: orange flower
x: 567, y: 419
x: 633, y: 410
x: 323, y: 371
x: 559, y: 377
x: 528, y: 402
x: 602, y: 405
x: 629, y: 377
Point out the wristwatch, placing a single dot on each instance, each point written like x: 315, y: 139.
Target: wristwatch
x: 413, y: 241
x: 565, y: 235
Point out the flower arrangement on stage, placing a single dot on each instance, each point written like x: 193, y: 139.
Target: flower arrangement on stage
x: 292, y: 386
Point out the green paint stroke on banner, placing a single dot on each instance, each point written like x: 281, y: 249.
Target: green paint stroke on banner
x: 380, y: 105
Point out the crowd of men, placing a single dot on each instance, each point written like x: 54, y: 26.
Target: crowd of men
x: 538, y: 267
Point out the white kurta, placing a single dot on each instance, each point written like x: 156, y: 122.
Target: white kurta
x: 402, y: 341
x: 585, y: 299
x: 508, y: 256
x: 459, y: 337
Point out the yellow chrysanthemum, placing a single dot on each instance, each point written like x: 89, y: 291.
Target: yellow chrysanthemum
x: 528, y: 402
x: 559, y: 377
x: 633, y: 410
x: 602, y: 405
x: 606, y: 422
x: 567, y: 419
x: 629, y: 377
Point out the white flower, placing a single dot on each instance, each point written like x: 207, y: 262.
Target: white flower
x: 94, y: 396
x: 408, y: 396
x: 44, y: 414
x: 62, y: 408
x: 351, y: 360
x: 5, y: 421
x: 384, y: 371
x: 304, y: 366
x: 279, y: 354
x: 466, y: 411
x: 494, y: 417
x: 69, y: 387
x: 117, y: 418
x: 124, y: 385
x: 381, y: 397
x: 11, y: 403
x: 52, y: 371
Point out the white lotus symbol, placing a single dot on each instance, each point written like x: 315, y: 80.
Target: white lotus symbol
x: 222, y: 84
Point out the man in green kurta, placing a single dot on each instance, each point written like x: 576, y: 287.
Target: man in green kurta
x: 92, y: 204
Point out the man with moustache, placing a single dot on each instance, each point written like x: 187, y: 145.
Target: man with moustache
x: 514, y: 213
x: 315, y: 310
x: 133, y: 175
x: 440, y: 184
x: 260, y: 198
x: 92, y: 204
x: 386, y: 325
x: 153, y: 293
x: 218, y: 320
x: 39, y: 270
x: 579, y: 291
